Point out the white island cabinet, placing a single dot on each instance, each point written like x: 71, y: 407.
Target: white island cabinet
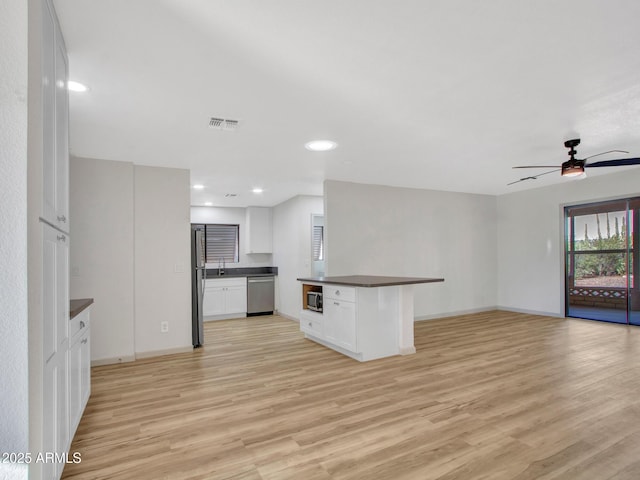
x: 364, y: 317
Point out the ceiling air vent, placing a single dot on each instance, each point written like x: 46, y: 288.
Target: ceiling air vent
x: 227, y: 124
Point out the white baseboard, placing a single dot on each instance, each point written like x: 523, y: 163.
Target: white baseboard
x: 407, y: 351
x: 140, y: 355
x: 530, y: 312
x: 288, y: 317
x: 421, y: 318
x: 230, y: 316
x: 168, y: 351
x: 111, y: 361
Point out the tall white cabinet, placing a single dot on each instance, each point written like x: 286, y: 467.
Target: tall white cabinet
x: 259, y: 235
x: 57, y: 429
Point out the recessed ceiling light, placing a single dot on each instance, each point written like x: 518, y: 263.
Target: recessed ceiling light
x: 320, y: 145
x: 76, y: 86
x: 257, y: 190
x: 198, y: 186
x: 208, y: 204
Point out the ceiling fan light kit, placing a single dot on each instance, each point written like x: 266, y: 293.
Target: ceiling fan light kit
x: 570, y: 169
x: 574, y: 167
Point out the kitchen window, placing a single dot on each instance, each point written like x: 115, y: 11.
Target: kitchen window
x: 221, y: 243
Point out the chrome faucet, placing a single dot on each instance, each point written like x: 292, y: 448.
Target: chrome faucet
x: 221, y: 266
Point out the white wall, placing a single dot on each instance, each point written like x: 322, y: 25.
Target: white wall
x: 162, y: 259
x: 102, y: 252
x: 292, y: 249
x: 130, y: 251
x: 14, y: 339
x: 231, y: 216
x: 530, y: 238
x: 380, y: 230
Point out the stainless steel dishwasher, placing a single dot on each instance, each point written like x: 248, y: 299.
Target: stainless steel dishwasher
x: 260, y: 295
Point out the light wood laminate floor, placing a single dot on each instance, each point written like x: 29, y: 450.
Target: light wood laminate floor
x: 495, y: 395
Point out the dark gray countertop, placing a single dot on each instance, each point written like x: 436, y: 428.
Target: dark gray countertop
x: 212, y: 273
x: 370, y: 280
x: 76, y: 306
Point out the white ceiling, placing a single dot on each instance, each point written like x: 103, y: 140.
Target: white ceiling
x: 442, y: 94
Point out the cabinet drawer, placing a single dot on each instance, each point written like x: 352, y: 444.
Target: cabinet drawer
x: 78, y: 325
x: 312, y: 323
x: 338, y: 292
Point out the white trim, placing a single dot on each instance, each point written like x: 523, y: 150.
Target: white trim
x: 407, y: 350
x: 113, y: 360
x: 159, y: 353
x: 227, y: 316
x: 422, y: 318
x: 288, y: 317
x: 530, y: 312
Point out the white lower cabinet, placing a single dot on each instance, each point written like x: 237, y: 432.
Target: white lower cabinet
x: 225, y: 297
x: 55, y: 429
x: 340, y: 323
x: 79, y: 368
x: 312, y: 323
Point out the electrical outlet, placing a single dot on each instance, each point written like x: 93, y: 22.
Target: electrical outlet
x: 164, y: 327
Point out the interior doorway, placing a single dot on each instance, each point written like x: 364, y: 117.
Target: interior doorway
x: 601, y: 245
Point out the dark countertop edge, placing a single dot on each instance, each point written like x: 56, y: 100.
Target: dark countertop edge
x: 370, y: 281
x: 237, y: 275
x: 239, y: 272
x: 78, y: 305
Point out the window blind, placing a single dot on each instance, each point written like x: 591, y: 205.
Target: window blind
x: 221, y: 243
x: 318, y: 242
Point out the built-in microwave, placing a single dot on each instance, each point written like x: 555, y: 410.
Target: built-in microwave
x: 314, y: 301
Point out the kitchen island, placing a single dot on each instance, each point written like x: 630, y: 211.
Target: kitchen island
x: 363, y: 316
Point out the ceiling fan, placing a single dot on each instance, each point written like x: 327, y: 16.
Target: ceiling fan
x: 575, y: 166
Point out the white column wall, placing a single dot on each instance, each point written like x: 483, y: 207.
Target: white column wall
x: 381, y: 230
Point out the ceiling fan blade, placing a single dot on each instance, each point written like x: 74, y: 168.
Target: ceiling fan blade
x: 534, y: 177
x: 604, y: 153
x: 615, y: 163
x: 538, y: 166
x: 522, y: 180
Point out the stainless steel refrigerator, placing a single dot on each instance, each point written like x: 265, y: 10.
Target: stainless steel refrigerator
x: 198, y: 277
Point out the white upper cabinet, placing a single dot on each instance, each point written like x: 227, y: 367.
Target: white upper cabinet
x: 258, y: 238
x: 55, y: 208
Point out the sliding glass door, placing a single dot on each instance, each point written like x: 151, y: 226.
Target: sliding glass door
x: 601, y: 258
x: 634, y: 261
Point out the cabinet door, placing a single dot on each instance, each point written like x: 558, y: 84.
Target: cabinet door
x: 49, y: 172
x: 259, y: 231
x: 49, y: 292
x: 85, y: 371
x: 62, y: 406
x: 340, y: 323
x: 61, y: 136
x: 62, y: 289
x: 236, y: 299
x: 55, y: 421
x: 214, y: 301
x: 79, y: 379
x: 49, y: 416
x: 55, y: 123
x: 75, y: 385
x: 55, y: 295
